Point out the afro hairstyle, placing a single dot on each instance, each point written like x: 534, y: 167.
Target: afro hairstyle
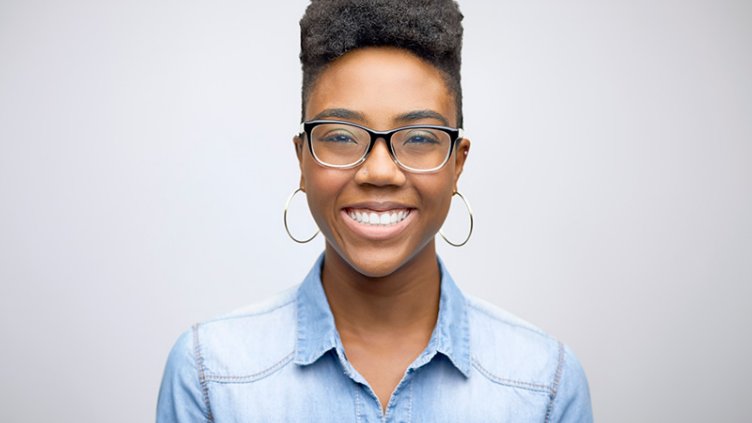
x: 430, y: 29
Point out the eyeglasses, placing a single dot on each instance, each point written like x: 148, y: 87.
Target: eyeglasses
x: 415, y: 148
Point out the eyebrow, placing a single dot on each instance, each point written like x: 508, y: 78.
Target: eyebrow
x: 404, y: 117
x: 422, y: 114
x: 341, y: 114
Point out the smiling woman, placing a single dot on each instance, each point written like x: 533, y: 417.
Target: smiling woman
x: 383, y: 88
x: 378, y: 330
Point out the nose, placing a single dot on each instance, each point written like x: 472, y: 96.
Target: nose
x: 379, y: 169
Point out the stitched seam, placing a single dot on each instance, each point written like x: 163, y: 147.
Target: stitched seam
x: 251, y: 378
x: 201, y: 374
x: 506, y: 322
x: 555, y: 387
x: 392, y: 404
x: 251, y: 314
x: 357, y: 401
x: 410, y: 402
x: 511, y: 382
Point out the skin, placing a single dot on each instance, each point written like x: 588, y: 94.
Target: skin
x: 383, y: 289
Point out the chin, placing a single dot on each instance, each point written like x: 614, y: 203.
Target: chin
x: 375, y: 264
x: 379, y: 262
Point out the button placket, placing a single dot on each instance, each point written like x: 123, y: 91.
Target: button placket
x: 400, y: 404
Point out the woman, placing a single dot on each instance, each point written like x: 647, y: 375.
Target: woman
x: 378, y: 330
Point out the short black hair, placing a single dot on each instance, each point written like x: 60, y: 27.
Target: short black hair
x: 430, y: 29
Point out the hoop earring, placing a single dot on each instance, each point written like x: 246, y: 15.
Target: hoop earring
x: 284, y: 218
x: 470, y: 213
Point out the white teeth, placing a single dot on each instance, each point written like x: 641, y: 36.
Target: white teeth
x: 373, y: 218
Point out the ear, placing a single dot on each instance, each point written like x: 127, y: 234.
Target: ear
x: 297, y: 141
x: 460, y: 156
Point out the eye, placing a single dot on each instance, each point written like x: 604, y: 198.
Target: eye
x: 342, y: 137
x: 421, y: 138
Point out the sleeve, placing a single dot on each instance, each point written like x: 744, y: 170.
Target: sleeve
x: 571, y: 402
x: 182, y: 395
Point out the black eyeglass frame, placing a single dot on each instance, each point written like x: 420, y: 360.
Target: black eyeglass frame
x: 455, y: 134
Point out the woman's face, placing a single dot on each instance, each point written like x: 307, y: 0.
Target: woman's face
x: 380, y: 88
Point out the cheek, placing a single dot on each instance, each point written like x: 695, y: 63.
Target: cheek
x: 436, y: 192
x: 322, y: 186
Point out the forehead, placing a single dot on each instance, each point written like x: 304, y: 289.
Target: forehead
x: 381, y: 83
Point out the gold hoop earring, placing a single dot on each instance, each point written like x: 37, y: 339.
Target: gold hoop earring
x: 470, y: 213
x: 284, y: 218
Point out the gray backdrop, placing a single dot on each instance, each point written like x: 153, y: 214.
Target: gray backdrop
x: 145, y: 158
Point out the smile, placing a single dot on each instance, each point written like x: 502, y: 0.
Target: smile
x: 378, y: 218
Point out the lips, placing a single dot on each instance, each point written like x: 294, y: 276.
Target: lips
x: 381, y: 218
x: 378, y: 221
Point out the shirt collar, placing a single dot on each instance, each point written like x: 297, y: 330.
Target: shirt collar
x: 317, y: 334
x: 452, y: 332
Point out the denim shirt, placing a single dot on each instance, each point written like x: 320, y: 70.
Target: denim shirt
x: 283, y: 361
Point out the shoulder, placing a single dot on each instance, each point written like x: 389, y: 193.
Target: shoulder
x: 497, y: 333
x: 247, y: 343
x: 508, y: 350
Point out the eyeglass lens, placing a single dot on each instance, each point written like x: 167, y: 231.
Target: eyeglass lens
x: 340, y: 144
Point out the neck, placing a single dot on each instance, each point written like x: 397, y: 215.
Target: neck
x: 403, y: 302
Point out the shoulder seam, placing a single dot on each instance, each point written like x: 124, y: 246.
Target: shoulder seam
x: 530, y: 386
x: 250, y: 314
x: 201, y: 374
x: 507, y: 322
x: 253, y: 377
x: 556, y: 382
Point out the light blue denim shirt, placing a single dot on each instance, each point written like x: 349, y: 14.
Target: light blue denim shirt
x: 283, y: 361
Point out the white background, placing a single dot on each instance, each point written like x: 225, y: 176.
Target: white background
x: 145, y: 157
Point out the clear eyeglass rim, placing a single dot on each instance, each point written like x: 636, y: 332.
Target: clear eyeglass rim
x: 306, y: 128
